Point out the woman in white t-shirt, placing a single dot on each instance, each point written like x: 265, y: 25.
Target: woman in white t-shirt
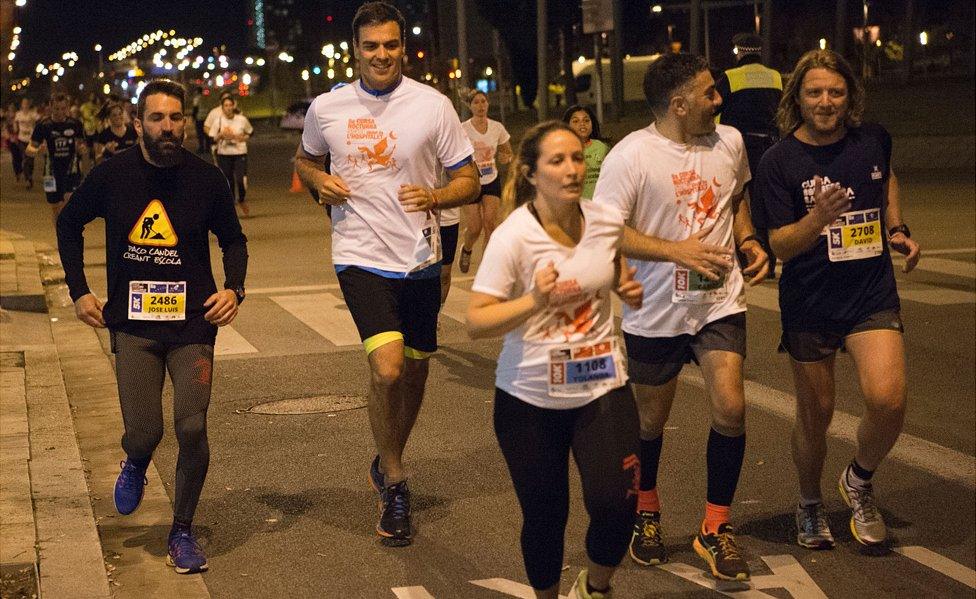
x: 545, y: 283
x: 491, y: 148
x: 231, y: 131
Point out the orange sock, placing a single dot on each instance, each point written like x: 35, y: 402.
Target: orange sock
x: 715, y: 516
x: 647, y: 501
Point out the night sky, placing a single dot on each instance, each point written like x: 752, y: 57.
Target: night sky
x: 52, y: 27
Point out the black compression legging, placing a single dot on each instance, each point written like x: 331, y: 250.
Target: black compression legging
x: 234, y: 167
x: 140, y: 366
x: 536, y: 443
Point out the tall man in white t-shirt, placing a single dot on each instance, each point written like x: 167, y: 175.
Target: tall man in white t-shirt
x: 680, y: 183
x: 389, y: 138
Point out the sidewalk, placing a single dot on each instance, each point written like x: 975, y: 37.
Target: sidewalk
x: 60, y: 427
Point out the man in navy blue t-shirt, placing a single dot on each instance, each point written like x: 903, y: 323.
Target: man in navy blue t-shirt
x: 833, y: 211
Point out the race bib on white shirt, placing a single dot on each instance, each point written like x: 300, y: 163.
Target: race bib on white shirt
x: 429, y: 248
x: 690, y: 287
x: 582, y: 368
x: 157, y: 300
x: 855, y: 235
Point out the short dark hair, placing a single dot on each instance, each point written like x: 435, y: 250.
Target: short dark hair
x: 667, y: 75
x: 160, y: 86
x: 568, y: 115
x: 376, y: 13
x: 59, y: 97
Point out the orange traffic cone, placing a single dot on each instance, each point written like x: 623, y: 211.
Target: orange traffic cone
x: 296, y: 183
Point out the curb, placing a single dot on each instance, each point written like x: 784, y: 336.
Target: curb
x: 50, y: 523
x: 134, y: 546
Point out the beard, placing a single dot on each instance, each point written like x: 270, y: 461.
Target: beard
x: 164, y: 150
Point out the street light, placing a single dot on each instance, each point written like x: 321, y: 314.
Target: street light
x: 657, y: 8
x: 416, y: 30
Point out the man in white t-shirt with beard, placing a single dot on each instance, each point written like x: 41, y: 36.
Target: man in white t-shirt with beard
x: 389, y: 139
x: 680, y: 184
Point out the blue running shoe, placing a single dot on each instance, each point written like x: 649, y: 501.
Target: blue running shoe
x: 375, y: 476
x: 394, y: 525
x: 129, y: 487
x: 185, y: 553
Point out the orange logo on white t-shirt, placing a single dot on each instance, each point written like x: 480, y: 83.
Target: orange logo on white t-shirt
x: 375, y: 147
x: 696, y: 193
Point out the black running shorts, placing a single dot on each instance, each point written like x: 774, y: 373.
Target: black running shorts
x: 657, y: 360
x: 65, y: 184
x: 490, y: 189
x: 387, y: 309
x: 814, y: 346
x: 449, y: 243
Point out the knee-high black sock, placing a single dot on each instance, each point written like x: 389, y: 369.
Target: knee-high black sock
x: 724, y: 458
x: 650, y: 458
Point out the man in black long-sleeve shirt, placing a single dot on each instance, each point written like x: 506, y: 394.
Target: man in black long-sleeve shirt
x: 159, y: 203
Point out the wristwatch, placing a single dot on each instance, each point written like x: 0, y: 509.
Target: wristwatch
x: 902, y: 228
x: 239, y: 293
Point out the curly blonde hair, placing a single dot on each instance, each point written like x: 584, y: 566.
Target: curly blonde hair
x: 788, y: 116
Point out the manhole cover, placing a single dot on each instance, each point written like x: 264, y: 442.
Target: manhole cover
x: 310, y: 405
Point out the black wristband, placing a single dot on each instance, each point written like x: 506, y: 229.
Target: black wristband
x: 902, y: 228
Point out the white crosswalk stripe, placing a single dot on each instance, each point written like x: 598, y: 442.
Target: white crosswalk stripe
x: 230, y: 342
x: 954, y: 268
x: 324, y: 313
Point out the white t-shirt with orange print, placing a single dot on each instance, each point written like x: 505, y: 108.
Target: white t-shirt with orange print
x: 579, y: 314
x: 670, y: 191
x: 378, y: 143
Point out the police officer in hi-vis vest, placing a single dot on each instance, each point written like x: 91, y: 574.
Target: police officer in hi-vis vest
x: 750, y: 95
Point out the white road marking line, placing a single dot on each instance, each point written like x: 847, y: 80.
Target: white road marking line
x: 322, y: 313
x: 947, y: 252
x: 940, y: 564
x: 935, y: 459
x: 230, y: 342
x: 696, y: 576
x: 411, y: 593
x: 509, y: 587
x: 954, y: 268
x: 767, y: 296
x: 292, y: 289
x: 936, y: 296
x: 322, y: 287
x: 790, y: 575
x: 456, y: 306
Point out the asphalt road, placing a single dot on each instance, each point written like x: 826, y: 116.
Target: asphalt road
x: 287, y: 510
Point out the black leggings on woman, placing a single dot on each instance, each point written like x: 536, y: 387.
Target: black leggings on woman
x: 234, y: 167
x: 141, y: 366
x: 536, y: 443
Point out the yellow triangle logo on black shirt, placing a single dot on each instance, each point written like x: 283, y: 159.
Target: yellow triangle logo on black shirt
x: 153, y: 227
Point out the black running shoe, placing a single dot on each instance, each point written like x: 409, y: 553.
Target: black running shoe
x: 722, y: 555
x: 394, y: 524
x: 646, y: 546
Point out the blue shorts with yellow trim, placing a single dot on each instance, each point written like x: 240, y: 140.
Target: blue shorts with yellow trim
x: 387, y: 309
